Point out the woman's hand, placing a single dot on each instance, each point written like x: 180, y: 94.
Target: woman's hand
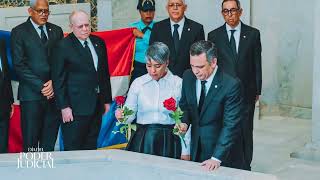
x: 119, y: 114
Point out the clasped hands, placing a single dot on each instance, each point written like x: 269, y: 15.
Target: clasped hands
x: 47, y: 90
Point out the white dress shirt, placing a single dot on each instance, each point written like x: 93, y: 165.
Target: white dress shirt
x: 36, y: 27
x: 236, y: 34
x: 93, y: 52
x: 146, y: 97
x: 181, y: 24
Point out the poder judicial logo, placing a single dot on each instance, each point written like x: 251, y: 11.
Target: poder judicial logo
x: 35, y: 158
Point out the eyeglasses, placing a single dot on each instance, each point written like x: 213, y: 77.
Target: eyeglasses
x: 82, y: 25
x: 231, y: 11
x: 175, y: 5
x: 42, y: 11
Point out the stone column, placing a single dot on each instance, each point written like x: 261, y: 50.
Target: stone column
x: 316, y: 80
x: 312, y: 150
x: 104, y: 15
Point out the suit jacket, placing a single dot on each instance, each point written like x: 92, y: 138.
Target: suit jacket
x: 5, y: 81
x: 247, y: 65
x: 75, y: 79
x: 191, y: 33
x: 31, y: 58
x: 218, y: 124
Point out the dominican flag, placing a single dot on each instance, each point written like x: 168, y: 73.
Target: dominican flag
x: 120, y: 45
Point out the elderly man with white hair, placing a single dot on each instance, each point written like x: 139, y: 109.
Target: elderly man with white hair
x: 178, y: 33
x: 81, y: 81
x: 31, y: 44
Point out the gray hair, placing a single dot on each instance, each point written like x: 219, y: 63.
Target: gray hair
x: 158, y: 52
x: 206, y: 47
x: 34, y: 2
x: 75, y: 13
x: 183, y: 1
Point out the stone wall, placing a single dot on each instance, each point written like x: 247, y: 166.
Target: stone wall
x: 287, y: 50
x: 20, y: 3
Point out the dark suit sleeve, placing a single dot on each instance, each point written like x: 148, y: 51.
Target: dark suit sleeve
x: 58, y: 75
x: 105, y: 76
x: 183, y: 104
x: 231, y: 122
x: 5, y: 63
x: 154, y: 34
x: 257, y: 60
x: 21, y: 67
x: 200, y: 35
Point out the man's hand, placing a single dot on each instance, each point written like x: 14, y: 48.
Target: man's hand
x: 67, y: 115
x: 106, y: 108
x: 137, y: 33
x: 47, y: 89
x: 210, y: 164
x: 12, y: 110
x: 183, y: 127
x: 185, y: 157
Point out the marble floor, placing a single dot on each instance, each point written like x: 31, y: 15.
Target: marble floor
x: 274, y: 139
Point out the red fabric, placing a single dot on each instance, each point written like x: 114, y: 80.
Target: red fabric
x: 120, y: 48
x: 15, y: 135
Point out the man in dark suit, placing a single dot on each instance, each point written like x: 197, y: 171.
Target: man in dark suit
x: 81, y: 82
x: 178, y: 33
x: 31, y: 44
x: 239, y: 52
x: 211, y: 101
x: 6, y: 107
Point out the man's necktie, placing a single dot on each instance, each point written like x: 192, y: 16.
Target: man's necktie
x: 44, y: 38
x: 176, y: 37
x: 86, y: 47
x: 202, y: 95
x: 145, y: 29
x: 233, y: 43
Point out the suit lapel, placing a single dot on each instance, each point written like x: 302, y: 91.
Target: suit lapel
x: 98, y: 50
x: 213, y: 90
x: 33, y: 32
x: 193, y: 88
x: 78, y: 46
x: 185, y: 34
x: 225, y: 40
x: 243, y: 40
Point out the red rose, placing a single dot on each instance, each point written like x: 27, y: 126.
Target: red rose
x: 170, y: 104
x: 120, y: 100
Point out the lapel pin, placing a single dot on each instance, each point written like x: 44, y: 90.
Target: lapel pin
x: 244, y: 36
x: 188, y: 29
x: 96, y: 45
x: 216, y: 86
x: 49, y: 29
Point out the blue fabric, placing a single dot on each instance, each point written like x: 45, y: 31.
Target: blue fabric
x: 106, y: 136
x: 6, y: 35
x: 141, y: 43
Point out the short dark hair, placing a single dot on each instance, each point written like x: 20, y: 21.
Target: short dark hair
x: 206, y: 47
x: 237, y: 1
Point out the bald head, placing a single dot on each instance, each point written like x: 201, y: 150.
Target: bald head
x: 80, y: 24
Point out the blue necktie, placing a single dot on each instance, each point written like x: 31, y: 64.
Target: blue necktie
x: 233, y: 43
x: 176, y: 37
